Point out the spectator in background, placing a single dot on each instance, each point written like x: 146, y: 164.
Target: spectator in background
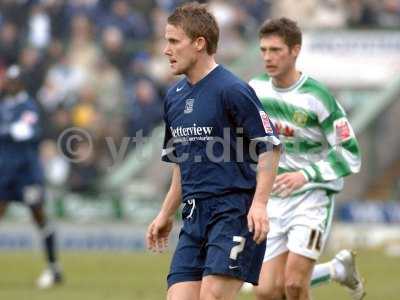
x: 55, y: 52
x: 390, y: 14
x: 362, y: 13
x: 108, y: 85
x: 57, y: 13
x: 39, y: 27
x: 33, y: 70
x: 56, y: 166
x: 145, y: 108
x: 83, y: 52
x: 61, y: 83
x: 88, y: 8
x: 131, y: 23
x: 113, y: 42
x: 312, y: 13
x: 229, y: 19
x: 15, y: 11
x: 83, y: 173
x: 60, y: 120
x: 85, y: 113
x: 259, y: 10
x: 9, y: 44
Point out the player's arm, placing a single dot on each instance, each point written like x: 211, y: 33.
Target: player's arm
x: 246, y: 110
x: 173, y: 198
x: 158, y: 231
x: 26, y: 127
x: 266, y: 172
x: 343, y: 157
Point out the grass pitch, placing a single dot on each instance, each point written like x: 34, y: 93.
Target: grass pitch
x: 141, y: 276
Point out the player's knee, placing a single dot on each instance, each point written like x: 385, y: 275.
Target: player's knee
x: 272, y: 292
x: 215, y: 291
x: 295, y: 288
x: 212, y: 294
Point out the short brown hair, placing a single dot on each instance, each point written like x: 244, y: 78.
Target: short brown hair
x: 283, y: 27
x: 197, y: 21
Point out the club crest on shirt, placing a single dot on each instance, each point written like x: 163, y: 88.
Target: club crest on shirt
x: 266, y: 123
x: 300, y: 118
x: 189, y: 106
x: 342, y: 130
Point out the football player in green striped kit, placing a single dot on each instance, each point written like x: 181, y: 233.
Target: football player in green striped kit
x: 320, y: 149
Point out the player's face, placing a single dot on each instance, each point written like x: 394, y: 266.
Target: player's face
x: 278, y: 59
x: 181, y: 53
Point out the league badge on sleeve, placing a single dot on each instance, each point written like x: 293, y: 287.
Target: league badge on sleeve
x: 343, y: 130
x: 266, y: 123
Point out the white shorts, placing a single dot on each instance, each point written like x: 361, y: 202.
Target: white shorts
x: 299, y: 224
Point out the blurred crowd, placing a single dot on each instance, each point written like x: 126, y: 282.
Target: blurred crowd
x: 340, y: 13
x: 98, y: 64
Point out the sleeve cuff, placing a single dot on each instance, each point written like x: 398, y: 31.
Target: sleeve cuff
x: 309, y: 173
x: 305, y: 175
x: 168, y: 154
x: 268, y: 138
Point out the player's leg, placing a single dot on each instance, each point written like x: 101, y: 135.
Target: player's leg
x: 188, y: 290
x: 3, y: 208
x: 297, y: 276
x: 342, y: 269
x: 5, y: 194
x: 33, y: 196
x: 216, y: 287
x: 271, y: 282
x: 187, y: 265
x: 309, y: 229
x: 232, y: 255
x: 322, y: 274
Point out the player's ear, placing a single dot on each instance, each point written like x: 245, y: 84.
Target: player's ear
x: 200, y: 43
x: 296, y: 50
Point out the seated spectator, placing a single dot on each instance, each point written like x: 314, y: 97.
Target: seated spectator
x: 84, y: 173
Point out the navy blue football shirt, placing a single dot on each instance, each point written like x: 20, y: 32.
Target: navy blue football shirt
x: 215, y: 130
x: 19, y: 151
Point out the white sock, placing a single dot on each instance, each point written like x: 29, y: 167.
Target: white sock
x: 322, y: 274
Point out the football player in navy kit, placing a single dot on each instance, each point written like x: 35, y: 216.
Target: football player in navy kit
x: 21, y: 175
x: 216, y: 134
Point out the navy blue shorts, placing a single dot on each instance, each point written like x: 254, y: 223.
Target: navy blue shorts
x: 22, y: 184
x: 215, y: 240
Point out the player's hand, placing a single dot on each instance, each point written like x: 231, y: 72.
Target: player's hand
x: 286, y: 183
x: 257, y: 221
x: 158, y: 232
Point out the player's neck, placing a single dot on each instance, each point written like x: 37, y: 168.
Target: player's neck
x: 201, y: 69
x: 286, y: 80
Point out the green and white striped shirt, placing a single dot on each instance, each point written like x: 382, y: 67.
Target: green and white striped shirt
x: 317, y: 137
